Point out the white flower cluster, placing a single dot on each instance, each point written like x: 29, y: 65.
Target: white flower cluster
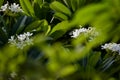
x: 112, y: 46
x: 13, y: 7
x: 4, y: 7
x: 13, y: 74
x: 77, y: 32
x: 22, y: 40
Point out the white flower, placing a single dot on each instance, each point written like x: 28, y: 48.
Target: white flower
x: 77, y: 32
x: 3, y: 28
x: 15, y: 8
x: 13, y: 74
x: 91, y: 31
x: 12, y: 40
x: 28, y: 34
x: 112, y: 46
x: 21, y: 37
x: 20, y: 45
x: 22, y: 40
x: 4, y: 7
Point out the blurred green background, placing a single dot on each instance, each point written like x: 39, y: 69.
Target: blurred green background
x: 54, y: 55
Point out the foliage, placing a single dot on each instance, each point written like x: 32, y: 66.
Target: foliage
x: 54, y: 54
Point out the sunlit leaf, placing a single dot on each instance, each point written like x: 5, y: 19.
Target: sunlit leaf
x: 27, y: 7
x: 59, y: 7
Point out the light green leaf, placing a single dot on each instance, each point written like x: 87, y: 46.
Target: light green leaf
x: 60, y: 16
x: 60, y: 29
x: 59, y: 7
x: 27, y: 7
x: 45, y: 27
x: 88, y: 13
x: 60, y: 26
x: 68, y: 70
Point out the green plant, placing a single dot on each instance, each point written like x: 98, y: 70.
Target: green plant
x: 54, y: 53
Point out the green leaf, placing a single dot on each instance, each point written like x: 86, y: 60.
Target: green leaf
x: 45, y: 27
x: 33, y: 26
x: 60, y: 29
x: 94, y: 59
x: 3, y: 36
x: 48, y: 28
x: 68, y: 70
x: 38, y: 26
x: 37, y: 10
x: 60, y: 16
x: 1, y: 2
x: 57, y: 34
x: 27, y: 7
x: 60, y: 26
x: 38, y: 1
x: 88, y: 13
x: 41, y: 10
x: 73, y: 5
x: 59, y: 7
x: 107, y: 63
x: 20, y: 25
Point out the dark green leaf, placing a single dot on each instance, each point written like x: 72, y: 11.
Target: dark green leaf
x: 3, y: 36
x: 1, y: 2
x: 94, y: 59
x: 20, y: 25
x: 38, y: 1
